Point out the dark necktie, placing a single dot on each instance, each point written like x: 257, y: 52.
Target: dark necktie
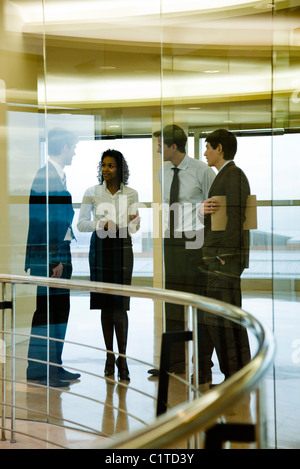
x: 174, y: 191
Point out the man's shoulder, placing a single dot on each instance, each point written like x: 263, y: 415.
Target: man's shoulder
x: 39, y: 181
x: 233, y: 169
x: 47, y: 180
x: 43, y: 172
x: 201, y: 170
x: 231, y: 179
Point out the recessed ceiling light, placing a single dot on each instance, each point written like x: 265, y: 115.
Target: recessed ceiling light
x: 114, y: 126
x: 211, y: 71
x: 194, y: 108
x: 107, y: 67
x: 264, y: 6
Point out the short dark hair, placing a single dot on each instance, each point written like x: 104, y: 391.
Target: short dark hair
x: 226, y: 139
x: 173, y: 134
x: 58, y: 138
x: 122, y: 166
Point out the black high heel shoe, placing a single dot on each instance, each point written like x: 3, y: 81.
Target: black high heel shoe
x: 109, y: 369
x: 123, y: 372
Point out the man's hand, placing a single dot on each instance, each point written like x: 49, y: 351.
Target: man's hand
x: 57, y: 271
x: 209, y: 206
x: 221, y: 260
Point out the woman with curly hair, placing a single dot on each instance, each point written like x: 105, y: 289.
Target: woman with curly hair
x: 109, y: 211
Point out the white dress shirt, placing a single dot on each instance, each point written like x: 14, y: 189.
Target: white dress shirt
x: 195, y: 179
x: 100, y: 205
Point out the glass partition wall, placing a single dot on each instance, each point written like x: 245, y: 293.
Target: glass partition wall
x: 115, y: 72
x: 285, y: 220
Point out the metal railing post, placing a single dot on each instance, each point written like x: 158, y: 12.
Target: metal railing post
x: 261, y: 418
x: 3, y: 365
x: 13, y: 363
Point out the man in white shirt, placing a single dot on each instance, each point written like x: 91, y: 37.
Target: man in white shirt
x: 183, y: 241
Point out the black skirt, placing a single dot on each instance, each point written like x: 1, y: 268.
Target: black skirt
x: 111, y: 261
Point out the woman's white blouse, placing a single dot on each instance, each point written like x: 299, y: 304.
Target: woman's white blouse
x: 99, y: 205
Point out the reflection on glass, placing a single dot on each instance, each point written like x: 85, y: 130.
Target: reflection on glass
x: 286, y: 163
x: 129, y: 65
x: 260, y: 264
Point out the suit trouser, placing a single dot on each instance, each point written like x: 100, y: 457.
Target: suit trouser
x: 182, y: 273
x: 49, y: 321
x: 230, y: 339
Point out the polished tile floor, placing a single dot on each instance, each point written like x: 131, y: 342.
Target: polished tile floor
x: 94, y: 409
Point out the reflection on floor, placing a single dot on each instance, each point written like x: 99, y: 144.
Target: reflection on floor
x: 280, y: 313
x: 94, y: 409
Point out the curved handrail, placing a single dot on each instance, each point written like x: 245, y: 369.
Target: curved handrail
x: 200, y: 413
x: 188, y: 417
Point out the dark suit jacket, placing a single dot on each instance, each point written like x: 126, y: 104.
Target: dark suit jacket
x: 232, y: 243
x: 58, y: 217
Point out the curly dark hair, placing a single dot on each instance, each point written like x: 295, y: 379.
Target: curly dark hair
x: 122, y: 166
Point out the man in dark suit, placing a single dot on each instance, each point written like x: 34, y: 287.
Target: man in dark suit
x: 226, y: 253
x: 48, y: 254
